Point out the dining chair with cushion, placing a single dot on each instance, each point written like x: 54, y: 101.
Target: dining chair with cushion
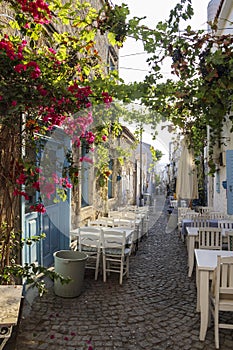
x: 115, y: 254
x: 221, y: 294
x: 90, y: 243
x: 210, y: 238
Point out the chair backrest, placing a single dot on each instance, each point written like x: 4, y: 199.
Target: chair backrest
x: 223, y: 281
x: 123, y: 223
x: 205, y: 209
x: 210, y: 238
x: 190, y: 214
x: 115, y: 214
x: 174, y: 203
x: 181, y: 212
x: 225, y: 224
x: 113, y: 240
x: 201, y: 221
x: 129, y: 215
x: 229, y: 235
x: 216, y: 215
x: 89, y: 237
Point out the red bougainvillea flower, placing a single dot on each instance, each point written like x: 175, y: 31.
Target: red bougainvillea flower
x: 104, y: 137
x: 106, y: 98
x: 20, y: 193
x: 21, y: 179
x: 40, y: 208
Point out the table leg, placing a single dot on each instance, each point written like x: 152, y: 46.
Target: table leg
x: 191, y: 243
x: 204, y: 302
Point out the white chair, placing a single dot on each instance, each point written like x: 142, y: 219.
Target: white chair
x: 115, y: 214
x: 216, y: 215
x: 90, y: 243
x: 210, y: 238
x: 229, y: 239
x: 102, y: 221
x: 115, y: 254
x: 173, y: 203
x: 225, y: 225
x: 221, y: 294
x: 120, y: 222
x: 204, y: 209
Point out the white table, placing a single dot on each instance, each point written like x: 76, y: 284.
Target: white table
x: 206, y: 263
x: 10, y: 299
x: 192, y: 238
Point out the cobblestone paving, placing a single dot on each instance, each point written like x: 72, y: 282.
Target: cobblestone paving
x: 154, y: 309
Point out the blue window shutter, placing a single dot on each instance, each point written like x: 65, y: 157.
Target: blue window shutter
x: 229, y: 173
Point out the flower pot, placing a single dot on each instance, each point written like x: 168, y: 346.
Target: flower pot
x: 69, y: 263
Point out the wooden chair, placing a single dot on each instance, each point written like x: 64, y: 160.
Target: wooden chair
x: 210, y: 238
x: 115, y: 214
x: 90, y: 243
x: 203, y: 210
x: 115, y: 254
x: 200, y: 221
x: 225, y: 225
x: 221, y: 294
x: 229, y: 239
x: 102, y: 221
x: 216, y: 215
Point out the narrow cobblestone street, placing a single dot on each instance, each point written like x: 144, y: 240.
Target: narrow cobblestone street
x: 155, y: 309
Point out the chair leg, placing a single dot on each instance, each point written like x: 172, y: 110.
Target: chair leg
x: 104, y: 268
x: 216, y: 328
x: 121, y: 270
x: 97, y: 266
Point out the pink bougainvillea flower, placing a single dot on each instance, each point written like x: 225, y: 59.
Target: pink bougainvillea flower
x: 104, y: 137
x: 48, y: 189
x: 52, y: 336
x: 72, y: 334
x: 52, y: 50
x: 86, y: 159
x: 1, y: 98
x: 66, y: 338
x: 14, y: 103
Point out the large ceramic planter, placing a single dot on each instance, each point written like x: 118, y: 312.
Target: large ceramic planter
x: 71, y: 264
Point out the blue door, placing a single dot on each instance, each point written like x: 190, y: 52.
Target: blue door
x: 55, y: 223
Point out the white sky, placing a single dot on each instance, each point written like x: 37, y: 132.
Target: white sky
x: 155, y: 11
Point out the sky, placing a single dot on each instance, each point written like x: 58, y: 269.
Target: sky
x: 132, y: 59
x: 134, y: 67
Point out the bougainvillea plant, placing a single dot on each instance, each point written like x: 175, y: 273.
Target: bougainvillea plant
x: 51, y: 75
